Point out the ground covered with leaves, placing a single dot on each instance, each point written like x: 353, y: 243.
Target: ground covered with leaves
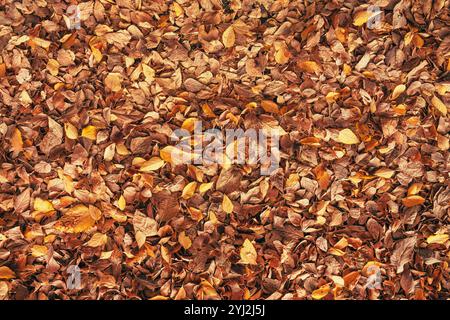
x: 86, y: 177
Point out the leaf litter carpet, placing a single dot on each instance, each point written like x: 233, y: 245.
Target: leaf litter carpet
x: 91, y: 92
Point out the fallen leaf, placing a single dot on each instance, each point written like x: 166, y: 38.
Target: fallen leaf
x: 347, y: 136
x: 6, y: 273
x: 39, y: 251
x: 227, y: 205
x: 97, y: 240
x: 438, y: 238
x: 184, y: 240
x: 89, y: 132
x: 412, y: 201
x: 321, y: 292
x: 248, y: 253
x: 228, y: 37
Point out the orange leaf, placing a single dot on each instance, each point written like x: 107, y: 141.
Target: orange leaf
x: 412, y: 201
x: 6, y: 273
x: 16, y: 141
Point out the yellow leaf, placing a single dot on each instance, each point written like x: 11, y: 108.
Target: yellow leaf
x: 332, y: 96
x: 71, y: 131
x: 118, y: 216
x: 113, y: 82
x: 97, y: 240
x: 282, y: 53
x: 248, y: 253
x: 6, y: 273
x: 293, y: 180
x: 89, y: 132
x: 321, y: 293
x: 106, y: 255
x: 415, y: 188
x: 98, y: 56
x: 184, y: 240
x: 384, y: 173
x: 177, y: 9
x: 398, y: 91
x: 336, y: 252
x: 269, y: 106
x: 77, y: 219
x: 151, y: 165
x: 53, y: 67
x: 227, y: 205
x: 43, y: 206
x: 38, y: 251
x: 438, y: 104
x: 309, y: 66
x: 189, y: 190
x: 347, y: 69
x: 121, y: 203
x: 189, y: 124
x: 228, y: 37
x: 50, y: 238
x: 412, y: 201
x: 122, y: 150
x: 205, y: 187
x: 39, y: 42
x: 361, y: 17
x: 16, y: 141
x: 347, y: 136
x: 438, y: 238
x: 341, y: 244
